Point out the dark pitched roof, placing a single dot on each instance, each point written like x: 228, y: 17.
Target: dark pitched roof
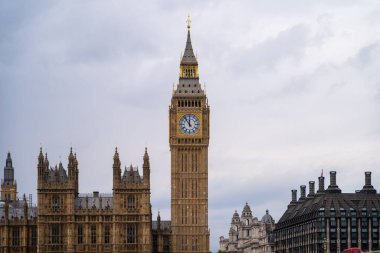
x: 307, y: 209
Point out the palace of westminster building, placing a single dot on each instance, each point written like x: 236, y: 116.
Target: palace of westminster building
x: 66, y: 221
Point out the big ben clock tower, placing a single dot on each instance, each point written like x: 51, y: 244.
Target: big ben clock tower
x: 189, y: 133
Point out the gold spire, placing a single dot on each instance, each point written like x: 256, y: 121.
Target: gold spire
x: 188, y: 22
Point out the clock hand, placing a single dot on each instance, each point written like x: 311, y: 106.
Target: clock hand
x: 189, y: 121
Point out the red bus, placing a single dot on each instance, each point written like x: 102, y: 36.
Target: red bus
x: 352, y: 250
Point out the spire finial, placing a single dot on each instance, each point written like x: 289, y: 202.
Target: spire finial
x: 188, y: 22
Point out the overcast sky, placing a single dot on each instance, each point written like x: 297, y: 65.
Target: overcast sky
x: 294, y: 88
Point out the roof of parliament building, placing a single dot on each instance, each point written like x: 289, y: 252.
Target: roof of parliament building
x: 331, y: 200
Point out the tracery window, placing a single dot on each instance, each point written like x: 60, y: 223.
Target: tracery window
x: 55, y: 234
x: 106, y: 233
x: 93, y: 233
x: 34, y: 236
x: 56, y: 202
x: 131, y: 202
x: 15, y: 236
x: 80, y: 233
x: 131, y: 233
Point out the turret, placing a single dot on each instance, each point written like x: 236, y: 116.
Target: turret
x: 146, y: 168
x: 8, y: 170
x: 158, y: 221
x: 76, y: 174
x: 25, y: 208
x: 72, y: 168
x: 41, y: 166
x: 246, y: 215
x: 235, y: 225
x: 71, y: 165
x: 8, y: 184
x: 116, y: 170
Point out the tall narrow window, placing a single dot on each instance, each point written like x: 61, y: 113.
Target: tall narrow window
x: 166, y: 244
x: 183, y: 188
x: 364, y: 229
x: 16, y: 236
x: 182, y: 162
x: 80, y: 233
x: 354, y: 229
x: 124, y: 202
x: 375, y: 229
x: 131, y: 233
x: 34, y: 236
x: 55, y: 202
x: 131, y: 202
x: 196, y: 216
x: 194, y: 188
x: 107, y: 234
x: 195, y: 161
x: 55, y: 234
x: 93, y: 233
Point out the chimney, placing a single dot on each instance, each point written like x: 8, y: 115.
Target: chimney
x: 368, y: 188
x: 333, y: 187
x: 332, y: 178
x: 321, y: 186
x: 311, y: 189
x: 96, y: 194
x: 303, y: 192
x: 294, y: 196
x: 367, y: 178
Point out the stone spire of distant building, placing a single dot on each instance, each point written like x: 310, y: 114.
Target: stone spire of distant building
x: 9, y: 185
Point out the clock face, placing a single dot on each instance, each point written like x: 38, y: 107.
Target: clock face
x: 189, y: 124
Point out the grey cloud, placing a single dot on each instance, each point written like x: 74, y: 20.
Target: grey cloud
x: 289, y: 43
x: 366, y: 55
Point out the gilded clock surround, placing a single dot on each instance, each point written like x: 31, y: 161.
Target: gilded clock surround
x: 198, y: 133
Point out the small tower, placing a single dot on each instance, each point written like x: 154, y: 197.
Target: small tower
x: 8, y: 184
x: 72, y: 168
x: 235, y: 226
x: 246, y: 215
x: 116, y: 170
x: 146, y: 168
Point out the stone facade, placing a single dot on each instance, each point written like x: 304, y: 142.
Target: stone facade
x: 73, y: 222
x: 248, y: 234
x: 189, y: 133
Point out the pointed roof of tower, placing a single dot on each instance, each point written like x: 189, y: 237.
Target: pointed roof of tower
x: 9, y: 158
x: 188, y: 57
x: 8, y: 163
